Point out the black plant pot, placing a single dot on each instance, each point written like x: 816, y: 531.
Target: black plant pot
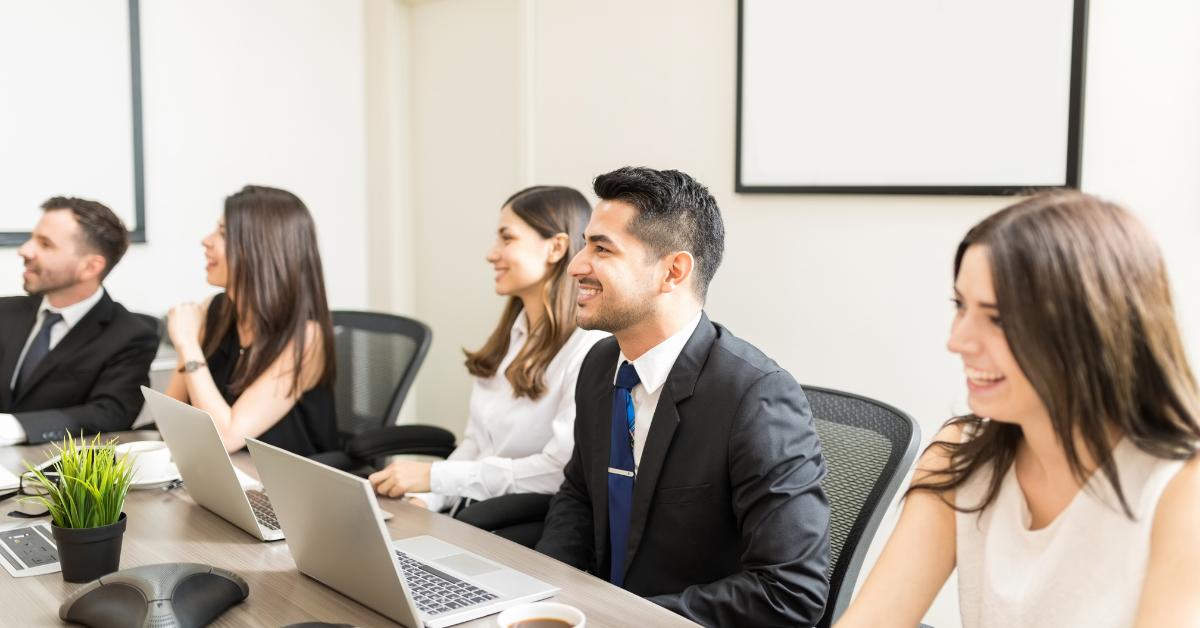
x: 88, y: 553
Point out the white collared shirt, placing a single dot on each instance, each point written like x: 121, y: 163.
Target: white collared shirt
x: 653, y: 368
x: 515, y: 444
x: 11, y: 431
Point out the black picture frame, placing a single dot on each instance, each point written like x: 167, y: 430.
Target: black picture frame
x: 138, y: 232
x: 1074, y: 163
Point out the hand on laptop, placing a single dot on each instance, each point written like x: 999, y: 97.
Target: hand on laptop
x: 401, y: 477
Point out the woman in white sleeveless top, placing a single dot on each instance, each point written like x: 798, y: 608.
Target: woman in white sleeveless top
x: 1067, y: 333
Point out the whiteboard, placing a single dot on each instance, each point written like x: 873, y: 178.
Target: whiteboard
x: 909, y: 96
x: 67, y: 112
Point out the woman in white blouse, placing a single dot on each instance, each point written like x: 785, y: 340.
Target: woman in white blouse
x: 520, y: 429
x: 1070, y: 497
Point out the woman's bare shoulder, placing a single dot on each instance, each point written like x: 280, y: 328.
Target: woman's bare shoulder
x: 1180, y: 501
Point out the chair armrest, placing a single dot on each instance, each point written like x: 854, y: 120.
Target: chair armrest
x: 339, y: 460
x: 506, y: 510
x: 426, y: 440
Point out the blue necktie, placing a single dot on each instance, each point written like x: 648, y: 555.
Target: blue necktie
x: 37, y: 350
x: 620, y: 470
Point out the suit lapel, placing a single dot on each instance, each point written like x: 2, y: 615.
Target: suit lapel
x: 18, y: 333
x: 680, y: 385
x: 658, y: 442
x: 86, y: 331
x: 601, y: 435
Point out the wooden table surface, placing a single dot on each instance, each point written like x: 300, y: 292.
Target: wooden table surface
x: 167, y: 526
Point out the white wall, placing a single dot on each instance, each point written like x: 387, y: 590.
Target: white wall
x: 269, y: 92
x: 467, y: 146
x: 405, y: 125
x: 849, y: 292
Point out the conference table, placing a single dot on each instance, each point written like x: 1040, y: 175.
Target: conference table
x: 167, y: 526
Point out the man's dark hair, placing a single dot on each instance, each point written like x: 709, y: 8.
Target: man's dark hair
x: 100, y: 230
x: 674, y: 213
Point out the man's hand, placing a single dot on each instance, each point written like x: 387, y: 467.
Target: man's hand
x: 417, y: 501
x: 401, y: 477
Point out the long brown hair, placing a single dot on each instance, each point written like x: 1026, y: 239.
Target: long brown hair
x: 276, y: 284
x: 550, y: 210
x: 1083, y: 295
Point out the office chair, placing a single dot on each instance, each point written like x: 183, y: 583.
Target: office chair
x: 378, y: 356
x: 518, y: 517
x: 868, y: 447
x: 159, y: 325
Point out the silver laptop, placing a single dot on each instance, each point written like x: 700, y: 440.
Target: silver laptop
x: 336, y: 537
x: 206, y: 469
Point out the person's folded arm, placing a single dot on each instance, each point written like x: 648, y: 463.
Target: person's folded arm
x: 440, y: 494
x: 918, y: 557
x: 1171, y: 592
x: 182, y: 336
x: 265, y: 401
x: 775, y: 469
x: 113, y: 402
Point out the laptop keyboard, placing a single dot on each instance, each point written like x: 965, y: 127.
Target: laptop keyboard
x: 263, y: 512
x: 438, y: 592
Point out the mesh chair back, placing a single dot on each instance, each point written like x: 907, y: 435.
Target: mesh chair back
x: 153, y: 322
x: 378, y: 356
x: 868, y: 447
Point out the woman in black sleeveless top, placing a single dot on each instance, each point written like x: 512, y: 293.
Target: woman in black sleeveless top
x: 260, y: 358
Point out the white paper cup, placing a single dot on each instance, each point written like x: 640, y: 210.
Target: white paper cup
x: 542, y: 610
x: 152, y: 462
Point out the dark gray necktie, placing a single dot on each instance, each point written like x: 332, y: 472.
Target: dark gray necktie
x: 37, y: 350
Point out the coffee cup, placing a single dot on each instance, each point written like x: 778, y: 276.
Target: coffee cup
x: 151, y: 460
x: 542, y: 615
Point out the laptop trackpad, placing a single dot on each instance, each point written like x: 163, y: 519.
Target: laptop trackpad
x: 468, y: 565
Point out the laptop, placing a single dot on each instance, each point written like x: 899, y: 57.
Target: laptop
x: 336, y: 537
x: 206, y: 469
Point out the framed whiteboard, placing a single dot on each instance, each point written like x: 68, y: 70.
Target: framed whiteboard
x: 71, y: 110
x: 910, y: 96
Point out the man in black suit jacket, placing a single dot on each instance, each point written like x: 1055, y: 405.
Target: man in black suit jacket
x: 721, y: 518
x: 71, y: 359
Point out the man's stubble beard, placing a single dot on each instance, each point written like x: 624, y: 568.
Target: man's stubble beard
x: 47, y: 281
x: 618, y: 317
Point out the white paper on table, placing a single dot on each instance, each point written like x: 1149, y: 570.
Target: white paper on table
x: 8, y: 480
x: 248, y: 483
x: 15, y: 538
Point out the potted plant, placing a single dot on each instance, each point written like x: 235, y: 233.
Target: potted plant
x: 85, y: 499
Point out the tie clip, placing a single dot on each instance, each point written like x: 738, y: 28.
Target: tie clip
x: 620, y: 472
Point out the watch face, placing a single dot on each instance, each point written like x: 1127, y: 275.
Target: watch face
x: 192, y: 366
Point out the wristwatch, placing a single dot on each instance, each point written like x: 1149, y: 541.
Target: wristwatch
x: 191, y: 366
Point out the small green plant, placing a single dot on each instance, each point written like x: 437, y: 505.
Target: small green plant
x: 91, y: 487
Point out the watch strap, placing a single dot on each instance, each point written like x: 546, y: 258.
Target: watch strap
x: 191, y: 367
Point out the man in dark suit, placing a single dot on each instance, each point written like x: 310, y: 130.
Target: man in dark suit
x: 696, y: 475
x: 71, y: 359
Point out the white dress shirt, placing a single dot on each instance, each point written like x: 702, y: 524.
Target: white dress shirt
x: 515, y: 444
x: 652, y: 368
x: 11, y: 431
